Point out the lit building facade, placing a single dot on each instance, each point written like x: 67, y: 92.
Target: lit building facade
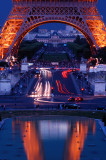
x: 55, y: 39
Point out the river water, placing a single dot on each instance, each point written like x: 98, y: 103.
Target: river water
x: 52, y: 138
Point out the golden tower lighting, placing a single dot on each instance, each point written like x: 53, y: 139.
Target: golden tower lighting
x: 28, y: 14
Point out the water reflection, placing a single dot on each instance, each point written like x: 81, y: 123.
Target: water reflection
x: 35, y: 132
x: 30, y: 137
x: 54, y: 129
x: 76, y: 139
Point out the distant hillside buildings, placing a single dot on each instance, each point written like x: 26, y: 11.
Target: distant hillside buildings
x: 54, y: 37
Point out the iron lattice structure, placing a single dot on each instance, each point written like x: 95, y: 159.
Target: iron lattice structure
x: 28, y: 14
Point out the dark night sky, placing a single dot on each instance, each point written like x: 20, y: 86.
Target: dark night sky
x: 6, y: 5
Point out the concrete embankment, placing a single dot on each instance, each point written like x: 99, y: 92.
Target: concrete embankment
x: 102, y: 126
x: 1, y: 124
x: 15, y: 77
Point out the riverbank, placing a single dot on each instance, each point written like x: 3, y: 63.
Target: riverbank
x: 102, y: 126
x: 81, y: 113
x: 1, y: 123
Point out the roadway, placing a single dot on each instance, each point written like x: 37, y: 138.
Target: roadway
x: 64, y: 85
x: 40, y: 92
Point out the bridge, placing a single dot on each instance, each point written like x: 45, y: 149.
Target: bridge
x: 29, y: 14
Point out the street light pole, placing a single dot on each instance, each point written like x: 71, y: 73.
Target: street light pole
x: 82, y: 89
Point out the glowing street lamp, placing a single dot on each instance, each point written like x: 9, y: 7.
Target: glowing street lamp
x: 52, y: 89
x: 82, y: 90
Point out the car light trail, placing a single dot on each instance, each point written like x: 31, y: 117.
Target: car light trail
x: 47, y: 101
x: 65, y: 73
x: 46, y: 73
x: 65, y: 89
x: 61, y: 89
x: 38, y: 90
x: 58, y: 86
x: 37, y: 87
x: 47, y: 91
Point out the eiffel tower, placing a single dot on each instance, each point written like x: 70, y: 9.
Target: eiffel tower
x: 28, y: 14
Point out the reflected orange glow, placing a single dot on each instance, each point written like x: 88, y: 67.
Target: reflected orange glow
x: 32, y: 143
x: 76, y: 141
x: 76, y: 135
x: 94, y: 127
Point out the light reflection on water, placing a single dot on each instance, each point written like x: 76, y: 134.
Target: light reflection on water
x: 53, y: 129
x: 38, y: 134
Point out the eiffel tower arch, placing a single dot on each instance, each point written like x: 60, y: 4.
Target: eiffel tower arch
x: 28, y: 14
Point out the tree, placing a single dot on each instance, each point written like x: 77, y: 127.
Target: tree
x: 102, y: 55
x: 78, y: 40
x: 80, y: 50
x: 28, y: 49
x: 4, y: 64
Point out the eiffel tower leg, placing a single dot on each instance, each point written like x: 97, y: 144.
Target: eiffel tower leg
x: 8, y: 35
x: 11, y: 28
x: 95, y: 25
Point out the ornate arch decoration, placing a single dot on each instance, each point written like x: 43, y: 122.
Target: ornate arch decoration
x: 27, y: 28
x: 28, y: 14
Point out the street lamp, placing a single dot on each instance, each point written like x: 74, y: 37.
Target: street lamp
x: 52, y: 89
x: 82, y: 90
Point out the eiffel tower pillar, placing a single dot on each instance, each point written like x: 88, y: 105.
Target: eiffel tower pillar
x: 28, y: 14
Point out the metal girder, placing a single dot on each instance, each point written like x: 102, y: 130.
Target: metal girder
x: 83, y: 15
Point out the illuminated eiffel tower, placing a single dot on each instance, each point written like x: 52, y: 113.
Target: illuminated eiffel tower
x: 28, y: 14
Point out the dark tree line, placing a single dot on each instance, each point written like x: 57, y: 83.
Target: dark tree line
x: 28, y: 49
x: 80, y: 48
x: 4, y: 64
x: 102, y: 55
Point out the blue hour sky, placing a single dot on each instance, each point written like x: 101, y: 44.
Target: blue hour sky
x: 6, y: 6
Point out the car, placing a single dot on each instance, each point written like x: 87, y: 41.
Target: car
x: 71, y: 106
x: 100, y: 108
x: 78, y: 99
x: 71, y: 99
x: 34, y: 93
